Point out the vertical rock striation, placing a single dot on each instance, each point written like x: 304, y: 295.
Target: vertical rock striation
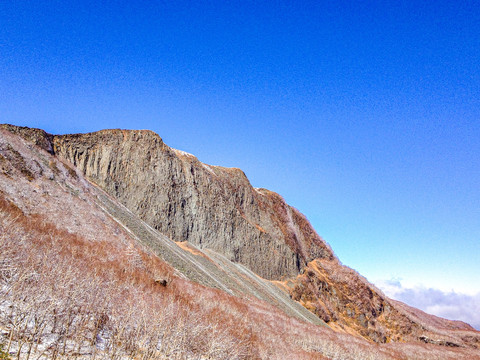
x: 210, y: 206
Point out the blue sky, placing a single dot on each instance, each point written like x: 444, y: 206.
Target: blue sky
x: 363, y: 115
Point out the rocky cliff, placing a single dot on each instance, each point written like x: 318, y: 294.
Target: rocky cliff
x: 209, y: 206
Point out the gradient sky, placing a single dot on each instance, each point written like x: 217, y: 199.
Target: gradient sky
x: 364, y: 115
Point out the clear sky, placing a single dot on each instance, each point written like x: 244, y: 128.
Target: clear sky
x: 363, y: 115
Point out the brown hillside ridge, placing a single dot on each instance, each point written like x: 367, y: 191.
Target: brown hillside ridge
x: 214, y: 228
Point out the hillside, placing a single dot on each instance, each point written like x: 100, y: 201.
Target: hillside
x: 177, y: 233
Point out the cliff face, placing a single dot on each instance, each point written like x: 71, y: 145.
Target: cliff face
x: 209, y: 206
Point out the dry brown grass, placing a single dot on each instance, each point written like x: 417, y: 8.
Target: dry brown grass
x: 64, y: 295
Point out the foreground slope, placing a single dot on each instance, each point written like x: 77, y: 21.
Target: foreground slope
x: 36, y: 182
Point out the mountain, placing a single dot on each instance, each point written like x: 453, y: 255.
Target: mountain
x: 163, y: 225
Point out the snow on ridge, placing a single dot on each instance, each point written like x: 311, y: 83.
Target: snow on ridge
x: 208, y: 168
x: 184, y: 153
x: 188, y: 155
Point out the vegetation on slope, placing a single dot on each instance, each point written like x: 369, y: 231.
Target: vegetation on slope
x: 64, y: 295
x: 74, y: 283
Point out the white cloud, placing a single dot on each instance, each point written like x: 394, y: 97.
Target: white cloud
x: 449, y: 305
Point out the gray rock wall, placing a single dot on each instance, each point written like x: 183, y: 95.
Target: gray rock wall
x: 210, y: 206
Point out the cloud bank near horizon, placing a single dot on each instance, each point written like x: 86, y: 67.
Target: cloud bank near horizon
x: 448, y: 305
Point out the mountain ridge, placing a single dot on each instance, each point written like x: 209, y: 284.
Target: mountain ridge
x: 334, y: 293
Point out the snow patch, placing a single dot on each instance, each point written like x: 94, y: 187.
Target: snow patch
x: 209, y: 169
x: 184, y: 153
x: 191, y: 156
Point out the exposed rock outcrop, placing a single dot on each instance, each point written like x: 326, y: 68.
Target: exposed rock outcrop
x: 39, y: 137
x: 210, y: 206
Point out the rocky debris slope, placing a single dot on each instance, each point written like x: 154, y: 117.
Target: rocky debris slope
x: 349, y: 303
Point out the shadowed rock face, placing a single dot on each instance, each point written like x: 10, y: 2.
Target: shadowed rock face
x: 210, y: 206
x: 38, y: 137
